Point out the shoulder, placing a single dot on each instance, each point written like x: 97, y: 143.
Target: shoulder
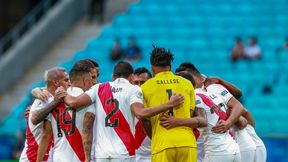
x: 74, y: 91
x: 36, y: 103
x: 95, y: 87
x: 135, y: 90
x: 148, y: 83
x: 220, y: 90
x: 216, y: 88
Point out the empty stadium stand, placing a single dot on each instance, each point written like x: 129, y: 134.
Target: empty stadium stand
x: 203, y: 32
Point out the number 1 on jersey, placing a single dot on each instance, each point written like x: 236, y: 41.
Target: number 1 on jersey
x: 170, y: 112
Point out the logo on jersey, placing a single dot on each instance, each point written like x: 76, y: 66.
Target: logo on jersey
x: 198, y: 102
x: 139, y: 95
x: 224, y: 92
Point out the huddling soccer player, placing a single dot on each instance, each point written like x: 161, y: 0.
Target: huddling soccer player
x: 116, y: 103
x: 33, y: 151
x: 176, y: 144
x: 218, y: 147
x: 247, y: 142
x: 65, y: 123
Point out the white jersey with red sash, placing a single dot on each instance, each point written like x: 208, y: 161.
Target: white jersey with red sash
x: 67, y: 125
x: 115, y: 122
x: 33, y: 136
x: 215, y: 107
x: 242, y: 137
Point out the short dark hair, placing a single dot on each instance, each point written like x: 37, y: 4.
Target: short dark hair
x: 81, y: 67
x: 190, y: 68
x: 187, y: 75
x: 122, y: 69
x: 93, y: 62
x: 142, y: 70
x: 179, y: 69
x: 161, y: 57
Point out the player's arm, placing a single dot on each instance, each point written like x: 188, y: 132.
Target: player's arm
x: 87, y: 134
x: 77, y: 102
x: 236, y: 109
x: 248, y: 116
x: 141, y: 113
x: 44, y: 141
x: 241, y: 123
x: 41, y: 94
x: 71, y: 101
x: 198, y: 120
x: 235, y: 91
x: 39, y: 115
x: 147, y: 127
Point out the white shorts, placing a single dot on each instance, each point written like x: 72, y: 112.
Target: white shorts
x: 130, y: 159
x: 248, y: 156
x: 143, y: 159
x: 261, y: 154
x: 222, y: 158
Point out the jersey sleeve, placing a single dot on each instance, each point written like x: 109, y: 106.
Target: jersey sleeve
x: 91, y: 108
x: 136, y: 95
x: 221, y: 90
x: 37, y: 105
x: 92, y: 93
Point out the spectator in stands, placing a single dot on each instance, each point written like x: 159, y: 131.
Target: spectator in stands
x: 253, y: 50
x: 283, y: 48
x: 116, y: 52
x: 133, y: 51
x: 237, y: 52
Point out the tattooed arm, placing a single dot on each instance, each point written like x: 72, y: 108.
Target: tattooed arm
x: 147, y: 127
x: 39, y: 115
x: 87, y: 134
x: 198, y: 119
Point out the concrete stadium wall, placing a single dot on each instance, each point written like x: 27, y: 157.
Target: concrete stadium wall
x: 38, y: 40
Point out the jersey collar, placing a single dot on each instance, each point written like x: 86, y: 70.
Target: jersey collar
x: 164, y: 73
x: 121, y: 80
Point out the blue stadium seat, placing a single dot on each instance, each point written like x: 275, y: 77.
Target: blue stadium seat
x: 203, y: 32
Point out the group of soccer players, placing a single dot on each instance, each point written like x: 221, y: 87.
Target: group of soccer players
x: 181, y: 117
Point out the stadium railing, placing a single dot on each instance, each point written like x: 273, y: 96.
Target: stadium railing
x: 25, y: 24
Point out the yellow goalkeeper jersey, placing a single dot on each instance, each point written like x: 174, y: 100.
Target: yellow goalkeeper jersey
x: 157, y: 91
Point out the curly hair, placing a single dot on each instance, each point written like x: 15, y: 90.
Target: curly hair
x: 161, y: 57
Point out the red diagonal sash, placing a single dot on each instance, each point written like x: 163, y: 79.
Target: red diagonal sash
x: 222, y: 114
x: 74, y: 139
x: 139, y: 134
x: 122, y: 129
